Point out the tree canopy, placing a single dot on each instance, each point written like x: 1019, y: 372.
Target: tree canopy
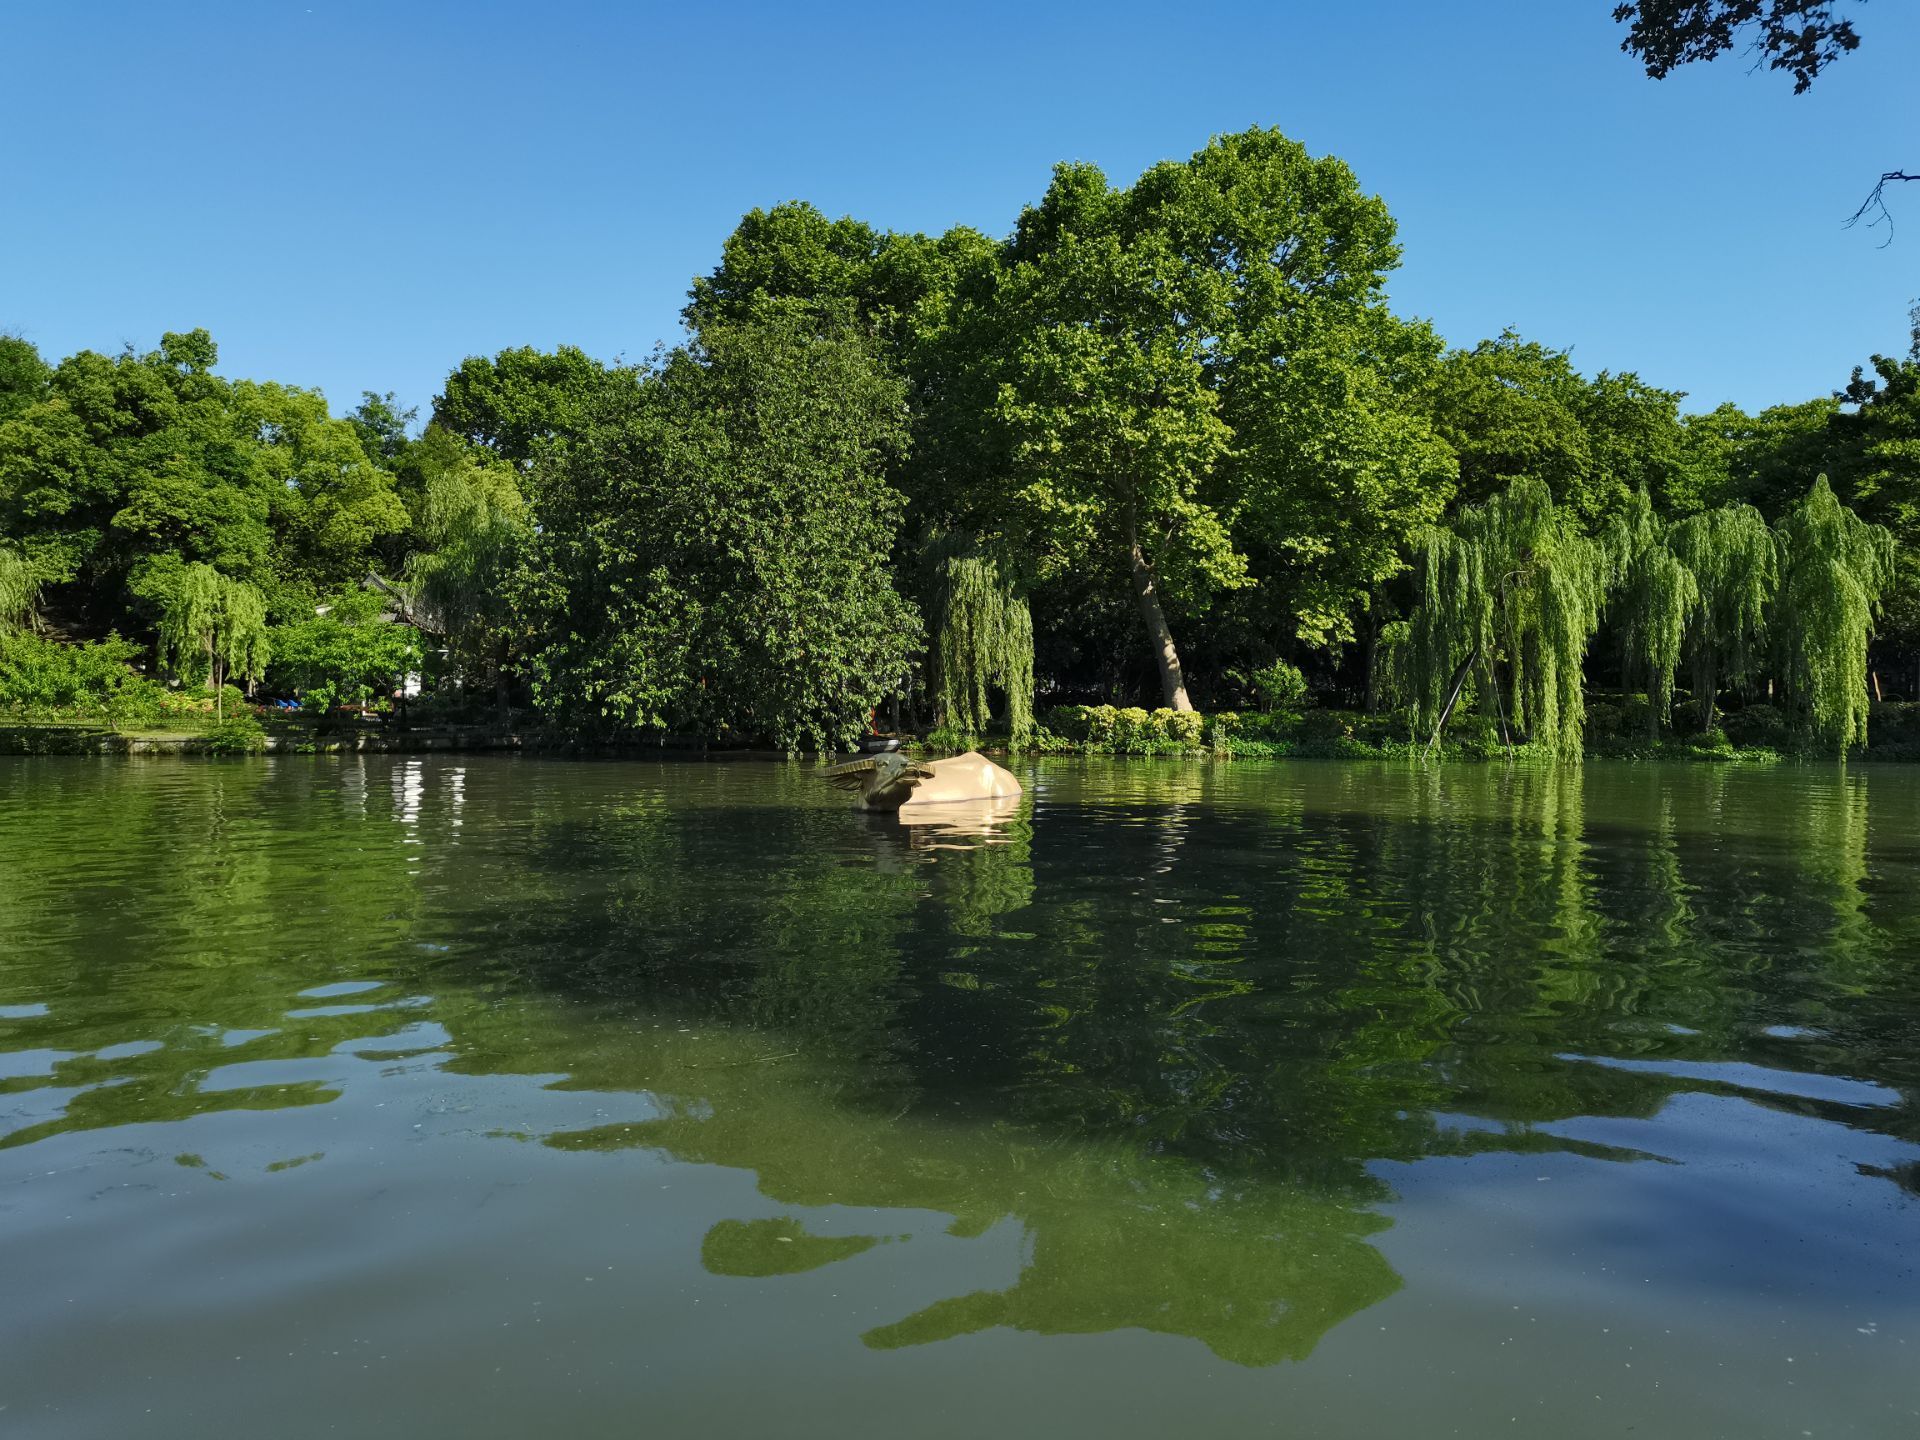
x: 711, y: 551
x: 121, y: 470
x: 1160, y: 439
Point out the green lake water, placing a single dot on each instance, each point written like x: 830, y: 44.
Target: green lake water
x: 509, y: 1097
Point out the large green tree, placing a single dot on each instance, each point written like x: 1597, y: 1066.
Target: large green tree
x: 1511, y: 592
x: 1873, y: 454
x: 1336, y: 471
x: 1514, y: 408
x: 23, y: 375
x: 1195, y: 368
x: 1653, y: 596
x: 1187, y: 391
x: 1762, y: 459
x: 1834, y: 570
x: 213, y: 627
x: 1734, y: 560
x: 330, y: 505
x: 473, y: 528
x: 117, y: 471
x: 516, y: 401
x: 710, y: 550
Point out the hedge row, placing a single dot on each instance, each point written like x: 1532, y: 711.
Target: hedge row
x: 1613, y: 728
x: 1130, y: 730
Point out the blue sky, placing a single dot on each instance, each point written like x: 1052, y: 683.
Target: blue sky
x: 355, y: 196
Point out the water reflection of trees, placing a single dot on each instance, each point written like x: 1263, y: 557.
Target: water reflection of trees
x: 1164, y: 1018
x: 155, y: 905
x: 1238, y: 1001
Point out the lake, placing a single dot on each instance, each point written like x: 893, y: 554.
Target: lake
x: 479, y: 1096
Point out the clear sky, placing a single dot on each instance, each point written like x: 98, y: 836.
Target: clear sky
x: 356, y: 195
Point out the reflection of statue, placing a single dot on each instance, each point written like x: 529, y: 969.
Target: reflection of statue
x: 959, y: 825
x: 892, y: 781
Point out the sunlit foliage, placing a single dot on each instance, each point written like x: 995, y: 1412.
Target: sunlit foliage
x: 214, y: 627
x: 1733, y: 557
x: 1834, y: 569
x: 984, y: 640
x: 1512, y: 592
x: 1654, y: 595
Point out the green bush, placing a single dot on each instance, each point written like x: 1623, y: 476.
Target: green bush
x: 1605, y: 720
x: 1757, y: 725
x: 1042, y: 741
x: 1185, y: 729
x: 1280, y: 686
x: 44, y: 679
x: 1327, y: 725
x: 951, y: 739
x: 331, y: 661
x: 1069, y: 722
x: 1346, y: 734
x: 1893, y: 722
x: 239, y: 733
x: 1272, y: 729
x: 1132, y: 731
x: 1711, y: 745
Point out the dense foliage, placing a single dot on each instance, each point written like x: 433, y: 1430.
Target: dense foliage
x: 984, y: 642
x: 1163, y: 442
x: 348, y: 653
x: 19, y: 591
x: 712, y: 545
x: 213, y: 626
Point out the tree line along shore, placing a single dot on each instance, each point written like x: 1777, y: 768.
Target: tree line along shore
x: 1160, y: 469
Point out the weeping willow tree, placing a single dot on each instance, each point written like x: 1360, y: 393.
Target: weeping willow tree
x: 1834, y: 569
x: 1733, y: 556
x: 477, y: 528
x: 214, y: 625
x: 19, y: 592
x: 1449, y: 632
x: 983, y: 638
x: 1654, y: 594
x: 1511, y: 593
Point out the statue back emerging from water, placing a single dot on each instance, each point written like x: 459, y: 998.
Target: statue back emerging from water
x: 892, y: 781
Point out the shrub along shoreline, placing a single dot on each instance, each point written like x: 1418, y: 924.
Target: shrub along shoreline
x: 1092, y: 731
x: 1615, y: 729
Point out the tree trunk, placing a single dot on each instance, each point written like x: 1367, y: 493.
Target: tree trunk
x: 1706, y: 692
x: 1453, y: 694
x: 1372, y: 660
x: 1173, y: 684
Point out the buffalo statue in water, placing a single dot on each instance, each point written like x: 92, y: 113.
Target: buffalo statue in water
x: 894, y: 782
